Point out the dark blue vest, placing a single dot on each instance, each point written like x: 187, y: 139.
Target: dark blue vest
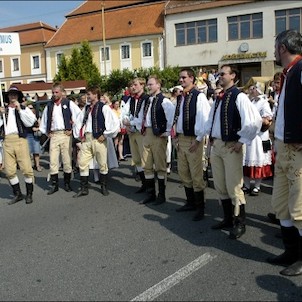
x: 189, y: 112
x: 158, y: 117
x: 293, y: 105
x: 65, y: 111
x: 230, y: 119
x: 98, y: 120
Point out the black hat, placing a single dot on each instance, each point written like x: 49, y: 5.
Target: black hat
x: 15, y: 90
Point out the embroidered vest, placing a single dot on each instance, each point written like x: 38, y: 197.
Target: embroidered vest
x: 158, y: 117
x: 98, y: 120
x: 189, y: 112
x: 65, y: 112
x: 230, y: 120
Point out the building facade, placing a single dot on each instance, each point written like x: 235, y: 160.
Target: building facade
x: 242, y: 33
x: 30, y: 66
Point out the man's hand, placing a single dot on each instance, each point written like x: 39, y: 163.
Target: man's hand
x: 101, y: 138
x: 194, y: 146
x: 68, y: 132
x: 236, y: 147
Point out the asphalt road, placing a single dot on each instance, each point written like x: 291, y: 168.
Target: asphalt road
x: 97, y: 248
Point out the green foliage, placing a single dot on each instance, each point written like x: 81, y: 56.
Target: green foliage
x: 80, y: 66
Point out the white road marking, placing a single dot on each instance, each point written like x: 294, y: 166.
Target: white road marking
x: 161, y: 287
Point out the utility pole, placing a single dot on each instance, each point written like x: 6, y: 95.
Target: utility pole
x: 104, y: 39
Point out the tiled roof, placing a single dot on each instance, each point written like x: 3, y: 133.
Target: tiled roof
x: 176, y: 6
x: 94, y: 6
x: 32, y: 33
x: 144, y: 19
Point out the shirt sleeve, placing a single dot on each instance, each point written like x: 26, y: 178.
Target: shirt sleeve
x: 112, y: 123
x: 251, y: 120
x: 169, y: 110
x: 43, y: 123
x: 202, y: 115
x: 27, y: 117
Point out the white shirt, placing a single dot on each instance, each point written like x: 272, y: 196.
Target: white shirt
x: 251, y: 120
x: 112, y: 124
x: 57, y: 122
x: 27, y: 117
x: 202, y: 115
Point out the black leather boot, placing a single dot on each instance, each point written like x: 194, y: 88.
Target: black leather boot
x: 67, y: 177
x: 150, y: 184
x: 161, y: 197
x: 290, y: 238
x: 84, y: 187
x: 103, y: 182
x: 54, y: 184
x: 227, y: 221
x: 143, y: 179
x: 296, y: 268
x: 29, y: 193
x: 200, y: 204
x: 190, y: 202
x: 239, y: 224
x: 18, y: 196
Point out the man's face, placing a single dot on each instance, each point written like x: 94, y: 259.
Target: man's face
x: 278, y: 53
x: 92, y: 97
x: 184, y: 80
x: 13, y: 96
x: 57, y: 93
x: 137, y: 88
x: 226, y: 77
x: 153, y: 86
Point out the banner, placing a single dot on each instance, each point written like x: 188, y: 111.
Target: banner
x: 9, y: 44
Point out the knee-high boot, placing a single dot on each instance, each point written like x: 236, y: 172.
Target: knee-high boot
x: 103, y: 181
x: 239, y: 224
x: 190, y: 202
x: 150, y: 190
x: 296, y: 268
x: 227, y: 221
x: 200, y: 205
x: 29, y: 192
x: 84, y: 187
x: 54, y: 184
x: 161, y: 197
x: 290, y: 238
x: 67, y: 177
x: 18, y: 196
x: 143, y: 180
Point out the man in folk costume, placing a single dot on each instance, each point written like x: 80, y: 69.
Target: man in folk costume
x: 95, y: 125
x: 15, y: 146
x: 233, y: 121
x: 156, y: 116
x: 133, y: 124
x: 287, y: 189
x: 57, y: 122
x: 191, y: 115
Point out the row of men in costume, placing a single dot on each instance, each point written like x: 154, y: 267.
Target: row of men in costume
x: 231, y: 122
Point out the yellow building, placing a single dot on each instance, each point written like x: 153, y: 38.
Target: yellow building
x: 122, y: 35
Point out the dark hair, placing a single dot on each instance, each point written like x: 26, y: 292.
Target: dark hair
x: 233, y: 70
x: 190, y: 72
x: 95, y: 90
x: 277, y: 76
x: 291, y: 39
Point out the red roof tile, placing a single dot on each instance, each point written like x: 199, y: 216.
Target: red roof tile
x: 119, y: 23
x: 32, y: 33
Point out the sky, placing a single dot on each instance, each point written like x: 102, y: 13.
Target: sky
x: 22, y: 12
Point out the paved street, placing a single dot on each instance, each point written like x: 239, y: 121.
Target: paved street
x: 112, y: 248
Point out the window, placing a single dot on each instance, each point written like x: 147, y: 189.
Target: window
x: 245, y: 27
x: 103, y: 55
x: 147, y: 49
x: 1, y: 66
x: 288, y: 19
x: 125, y: 49
x: 16, y: 64
x: 59, y: 59
x: 36, y: 62
x: 197, y: 32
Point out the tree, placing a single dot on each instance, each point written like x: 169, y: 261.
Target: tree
x: 63, y: 73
